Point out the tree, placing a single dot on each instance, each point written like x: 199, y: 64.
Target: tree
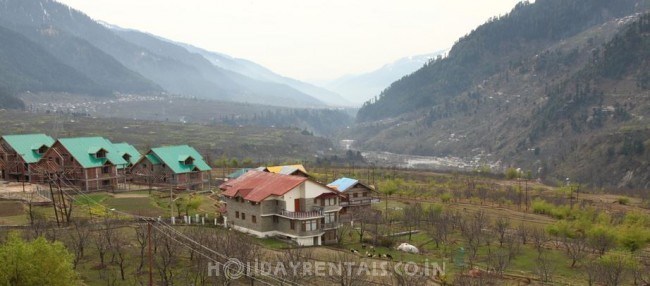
x: 78, y: 238
x: 615, y: 267
x: 411, y: 215
x: 390, y: 188
x: 601, y: 238
x: 576, y: 248
x: 37, y: 262
x: 501, y: 225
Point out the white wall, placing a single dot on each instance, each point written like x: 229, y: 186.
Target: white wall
x: 290, y: 197
x: 313, y: 190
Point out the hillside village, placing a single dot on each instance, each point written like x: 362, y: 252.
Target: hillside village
x: 276, y: 201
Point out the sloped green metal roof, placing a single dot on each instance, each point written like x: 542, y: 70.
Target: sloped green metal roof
x: 81, y: 149
x: 126, y: 148
x: 172, y: 155
x: 153, y: 159
x: 27, y: 145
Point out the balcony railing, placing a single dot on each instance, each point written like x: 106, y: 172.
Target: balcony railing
x: 301, y: 215
x: 360, y: 202
x: 330, y: 225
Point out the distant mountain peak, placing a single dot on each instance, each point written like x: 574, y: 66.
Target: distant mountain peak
x: 359, y: 88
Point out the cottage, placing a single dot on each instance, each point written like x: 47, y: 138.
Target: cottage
x: 292, y: 207
x: 89, y: 163
x: 19, y: 155
x: 128, y: 153
x: 179, y: 167
x: 356, y: 195
x: 295, y: 170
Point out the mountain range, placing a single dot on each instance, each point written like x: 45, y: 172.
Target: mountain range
x: 557, y: 87
x: 360, y: 88
x: 100, y: 59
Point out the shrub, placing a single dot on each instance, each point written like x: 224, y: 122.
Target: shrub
x: 623, y: 201
x: 446, y: 197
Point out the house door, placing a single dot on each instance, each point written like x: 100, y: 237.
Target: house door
x: 296, y: 205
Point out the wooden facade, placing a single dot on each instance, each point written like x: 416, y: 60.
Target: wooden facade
x: 58, y: 162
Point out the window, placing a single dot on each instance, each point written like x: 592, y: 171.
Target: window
x: 236, y: 214
x: 328, y: 202
x: 309, y: 225
x: 106, y: 169
x: 365, y: 194
x: 330, y: 217
x: 101, y: 153
x: 292, y: 224
x: 106, y: 182
x: 243, y: 216
x: 355, y: 195
x: 57, y: 160
x: 254, y: 219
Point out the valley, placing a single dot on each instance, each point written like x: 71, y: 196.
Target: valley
x: 519, y: 156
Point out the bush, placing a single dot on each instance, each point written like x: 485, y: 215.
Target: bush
x: 446, y: 197
x: 386, y: 241
x: 623, y: 201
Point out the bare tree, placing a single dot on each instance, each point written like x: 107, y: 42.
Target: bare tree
x: 293, y: 259
x: 411, y: 217
x: 361, y: 218
x: 119, y: 245
x: 141, y: 239
x: 100, y: 241
x: 78, y: 239
x: 539, y: 238
x: 545, y: 268
x: 523, y: 232
x: 438, y: 225
x: 166, y: 257
x: 576, y: 248
x: 409, y: 274
x: 237, y: 246
x: 501, y: 226
x: 350, y: 270
x: 472, y: 230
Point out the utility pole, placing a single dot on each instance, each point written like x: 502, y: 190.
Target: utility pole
x: 56, y: 213
x: 171, y: 201
x: 149, y: 251
x: 526, y: 193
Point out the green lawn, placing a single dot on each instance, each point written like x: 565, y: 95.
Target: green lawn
x: 144, y: 206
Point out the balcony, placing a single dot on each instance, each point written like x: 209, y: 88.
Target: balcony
x: 301, y: 215
x: 360, y: 202
x: 330, y: 225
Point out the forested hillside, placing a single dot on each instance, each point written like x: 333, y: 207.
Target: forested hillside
x: 557, y: 87
x: 25, y: 66
x: 491, y: 48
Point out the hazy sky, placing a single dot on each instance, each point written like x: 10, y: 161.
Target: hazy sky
x: 311, y: 40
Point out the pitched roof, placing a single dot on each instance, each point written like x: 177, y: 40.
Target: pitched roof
x: 344, y: 184
x: 126, y: 148
x: 287, y: 169
x: 256, y: 186
x: 83, y: 150
x: 238, y: 173
x: 27, y: 145
x: 175, y: 156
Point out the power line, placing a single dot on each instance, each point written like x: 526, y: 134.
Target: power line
x: 70, y: 185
